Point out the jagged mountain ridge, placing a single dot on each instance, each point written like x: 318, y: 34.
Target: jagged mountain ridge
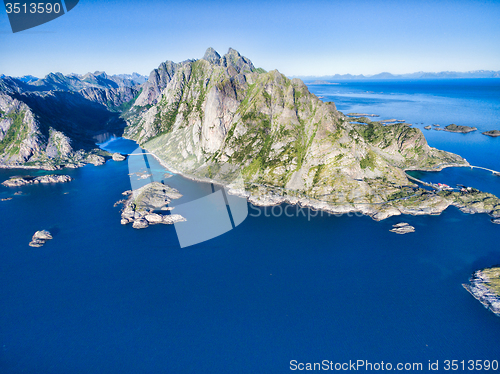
x: 54, y: 121
x: 218, y: 116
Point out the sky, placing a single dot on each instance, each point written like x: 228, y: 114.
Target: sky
x: 299, y: 38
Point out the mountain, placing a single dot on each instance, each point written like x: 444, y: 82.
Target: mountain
x: 134, y: 77
x: 27, y: 78
x: 53, y: 122
x: 75, y: 82
x: 418, y: 75
x: 221, y: 119
x: 218, y: 117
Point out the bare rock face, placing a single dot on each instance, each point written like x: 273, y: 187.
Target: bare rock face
x: 173, y: 218
x: 20, y: 134
x: 212, y: 56
x: 110, y: 97
x: 39, y: 238
x: 140, y: 223
x: 58, y: 145
x: 154, y: 218
x: 118, y: 157
x: 484, y: 285
x: 94, y: 159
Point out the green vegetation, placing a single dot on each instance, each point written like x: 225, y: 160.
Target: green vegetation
x: 15, y: 134
x: 404, y: 192
x: 494, y: 279
x: 317, y: 174
x: 368, y: 161
x: 126, y: 106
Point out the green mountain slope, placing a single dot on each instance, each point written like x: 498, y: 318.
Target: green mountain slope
x: 220, y: 116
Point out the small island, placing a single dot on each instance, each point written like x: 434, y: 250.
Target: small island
x: 23, y: 181
x: 40, y: 238
x: 492, y: 133
x: 402, y: 228
x: 144, y: 206
x: 459, y: 128
x: 321, y: 83
x: 484, y: 285
x: 361, y: 115
x: 118, y: 157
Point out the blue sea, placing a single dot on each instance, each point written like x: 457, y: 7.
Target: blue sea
x: 105, y: 298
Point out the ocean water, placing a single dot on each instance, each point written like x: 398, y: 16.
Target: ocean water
x: 105, y: 298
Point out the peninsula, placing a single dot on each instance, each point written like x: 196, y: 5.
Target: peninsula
x: 218, y: 117
x: 484, y: 285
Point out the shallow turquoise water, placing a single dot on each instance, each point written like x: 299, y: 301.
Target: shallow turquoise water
x: 105, y: 298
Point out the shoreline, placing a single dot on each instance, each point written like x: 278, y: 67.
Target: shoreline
x: 377, y: 211
x: 367, y: 209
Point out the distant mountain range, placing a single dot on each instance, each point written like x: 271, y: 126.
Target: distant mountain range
x: 75, y: 82
x: 418, y: 75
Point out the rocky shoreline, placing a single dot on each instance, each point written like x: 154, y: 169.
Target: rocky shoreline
x: 45, y: 179
x: 484, y: 285
x: 428, y: 204
x: 80, y: 159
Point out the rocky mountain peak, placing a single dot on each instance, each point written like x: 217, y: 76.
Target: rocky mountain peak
x: 240, y: 63
x: 212, y: 56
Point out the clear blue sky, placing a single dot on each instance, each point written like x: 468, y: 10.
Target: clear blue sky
x: 296, y: 37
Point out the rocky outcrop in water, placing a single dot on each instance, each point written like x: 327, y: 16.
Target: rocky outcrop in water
x: 118, y: 157
x: 144, y: 206
x: 458, y: 128
x: 402, y: 228
x: 484, y: 285
x: 45, y: 179
x: 40, y: 238
x: 492, y: 133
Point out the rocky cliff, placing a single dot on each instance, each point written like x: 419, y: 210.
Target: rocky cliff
x: 217, y: 117
x: 53, y: 122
